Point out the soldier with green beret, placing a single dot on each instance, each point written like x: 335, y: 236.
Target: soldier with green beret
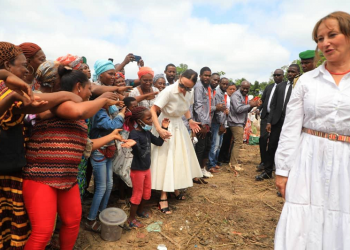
x: 307, y: 60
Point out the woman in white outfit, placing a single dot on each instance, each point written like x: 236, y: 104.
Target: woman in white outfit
x: 313, y: 156
x: 175, y: 164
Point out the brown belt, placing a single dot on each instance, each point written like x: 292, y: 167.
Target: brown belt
x: 330, y: 136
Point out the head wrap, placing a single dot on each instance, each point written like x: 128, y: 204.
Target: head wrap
x: 158, y: 76
x: 100, y: 67
x: 71, y: 61
x: 144, y: 71
x: 47, y: 73
x: 308, y: 54
x: 8, y: 51
x: 29, y: 49
x: 118, y: 75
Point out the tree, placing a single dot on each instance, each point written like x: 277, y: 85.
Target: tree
x: 181, y: 68
x: 221, y: 73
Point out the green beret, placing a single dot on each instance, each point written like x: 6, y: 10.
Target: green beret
x: 308, y: 54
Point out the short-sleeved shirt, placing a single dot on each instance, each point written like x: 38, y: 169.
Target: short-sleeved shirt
x: 172, y: 102
x: 145, y: 103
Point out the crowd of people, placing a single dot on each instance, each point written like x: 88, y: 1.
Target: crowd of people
x: 59, y: 127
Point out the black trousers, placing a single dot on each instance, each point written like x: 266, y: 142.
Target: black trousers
x: 202, y: 148
x: 264, y: 136
x: 226, y: 147
x: 273, y: 144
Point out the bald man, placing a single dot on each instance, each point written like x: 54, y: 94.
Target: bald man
x: 237, y: 118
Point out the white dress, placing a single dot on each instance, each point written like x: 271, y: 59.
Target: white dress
x: 316, y: 214
x: 174, y: 165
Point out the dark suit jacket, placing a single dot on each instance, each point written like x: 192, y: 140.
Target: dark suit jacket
x: 276, y: 106
x: 265, y: 100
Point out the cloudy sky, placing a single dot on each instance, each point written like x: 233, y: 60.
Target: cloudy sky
x: 244, y: 38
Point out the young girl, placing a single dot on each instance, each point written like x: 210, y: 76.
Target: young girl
x: 140, y: 124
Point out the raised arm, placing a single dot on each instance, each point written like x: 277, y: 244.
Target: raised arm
x: 52, y: 99
x: 83, y: 110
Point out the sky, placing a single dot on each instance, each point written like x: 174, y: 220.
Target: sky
x: 243, y: 38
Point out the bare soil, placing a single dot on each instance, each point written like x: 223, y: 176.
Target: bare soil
x: 230, y: 212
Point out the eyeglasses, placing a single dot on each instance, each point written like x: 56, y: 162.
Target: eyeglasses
x: 188, y: 89
x: 277, y: 74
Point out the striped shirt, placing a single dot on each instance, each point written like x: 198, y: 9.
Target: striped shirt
x: 54, y: 152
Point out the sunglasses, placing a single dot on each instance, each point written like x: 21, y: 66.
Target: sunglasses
x: 277, y: 74
x: 188, y: 89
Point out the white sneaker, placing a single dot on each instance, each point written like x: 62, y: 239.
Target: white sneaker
x: 206, y: 173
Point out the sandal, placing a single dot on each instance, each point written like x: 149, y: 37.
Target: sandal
x: 197, y: 181
x: 135, y: 224
x: 165, y: 210
x: 143, y: 214
x: 203, y: 181
x: 180, y: 197
x: 92, y: 227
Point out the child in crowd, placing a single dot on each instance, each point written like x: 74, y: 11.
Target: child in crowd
x: 140, y: 124
x: 122, y: 162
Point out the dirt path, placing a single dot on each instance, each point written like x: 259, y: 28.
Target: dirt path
x: 231, y: 212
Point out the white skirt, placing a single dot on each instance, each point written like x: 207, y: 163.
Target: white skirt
x: 175, y: 164
x: 316, y: 214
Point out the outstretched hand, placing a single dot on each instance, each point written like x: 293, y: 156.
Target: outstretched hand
x: 128, y: 143
x: 18, y: 85
x: 116, y: 136
x: 194, y: 126
x: 165, y: 122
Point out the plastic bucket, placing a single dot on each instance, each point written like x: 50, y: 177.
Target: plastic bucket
x: 112, y: 220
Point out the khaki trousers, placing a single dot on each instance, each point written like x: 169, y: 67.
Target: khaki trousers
x: 237, y: 133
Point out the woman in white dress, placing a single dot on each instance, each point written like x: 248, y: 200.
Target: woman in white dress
x: 313, y: 155
x: 175, y: 164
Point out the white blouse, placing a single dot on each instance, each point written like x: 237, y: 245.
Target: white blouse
x: 316, y: 103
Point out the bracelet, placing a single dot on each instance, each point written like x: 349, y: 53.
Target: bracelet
x: 188, y: 120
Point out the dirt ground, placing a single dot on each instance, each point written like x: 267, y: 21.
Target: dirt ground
x: 230, y: 212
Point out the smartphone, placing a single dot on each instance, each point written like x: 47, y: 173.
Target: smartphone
x: 110, y: 59
x: 137, y: 58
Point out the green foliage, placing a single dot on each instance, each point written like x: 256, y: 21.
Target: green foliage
x: 181, y: 68
x: 321, y: 59
x: 221, y: 73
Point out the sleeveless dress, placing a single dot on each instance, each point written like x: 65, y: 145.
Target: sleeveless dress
x: 174, y: 165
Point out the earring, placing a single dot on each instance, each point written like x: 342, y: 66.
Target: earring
x: 32, y: 69
x: 79, y: 90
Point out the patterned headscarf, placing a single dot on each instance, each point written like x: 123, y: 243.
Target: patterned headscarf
x: 144, y: 71
x: 8, y: 51
x: 29, y: 49
x: 158, y: 76
x: 47, y: 73
x: 118, y: 75
x: 101, y: 66
x: 71, y: 61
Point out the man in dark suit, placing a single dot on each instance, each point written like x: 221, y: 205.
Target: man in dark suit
x: 275, y: 119
x: 264, y: 114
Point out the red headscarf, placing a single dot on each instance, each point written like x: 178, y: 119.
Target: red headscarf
x: 71, y: 61
x: 144, y: 71
x: 118, y: 75
x: 29, y: 49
